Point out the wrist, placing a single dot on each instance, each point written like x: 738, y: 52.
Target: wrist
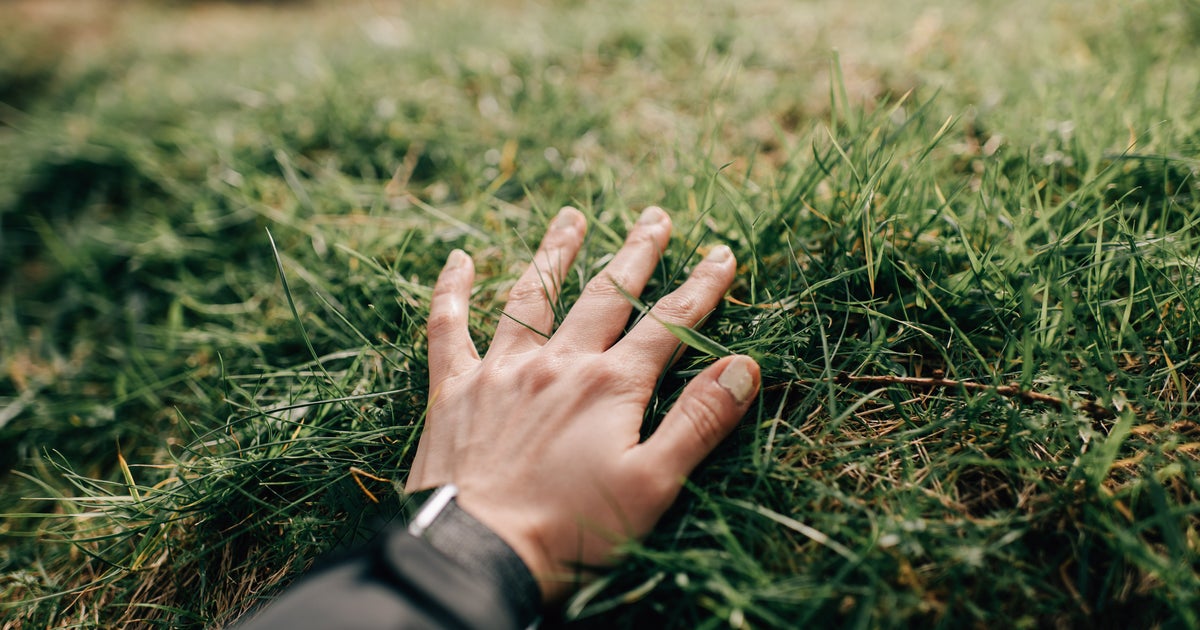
x: 520, y: 530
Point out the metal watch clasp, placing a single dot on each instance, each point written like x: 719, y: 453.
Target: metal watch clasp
x: 432, y: 508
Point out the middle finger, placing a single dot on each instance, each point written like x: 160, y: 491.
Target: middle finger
x: 528, y: 317
x: 599, y: 316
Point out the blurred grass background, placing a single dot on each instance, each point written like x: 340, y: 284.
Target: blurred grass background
x: 1002, y: 194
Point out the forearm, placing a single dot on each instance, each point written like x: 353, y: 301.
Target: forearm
x: 454, y: 573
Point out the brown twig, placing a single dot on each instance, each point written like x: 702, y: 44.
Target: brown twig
x: 355, y: 471
x: 1091, y: 407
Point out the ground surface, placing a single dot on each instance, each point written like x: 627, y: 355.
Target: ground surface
x: 968, y: 235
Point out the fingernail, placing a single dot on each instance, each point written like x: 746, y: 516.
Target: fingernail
x: 719, y: 254
x: 737, y: 379
x: 457, y: 258
x: 564, y: 219
x: 651, y: 215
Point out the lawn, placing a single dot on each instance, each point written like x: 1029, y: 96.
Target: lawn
x: 969, y: 245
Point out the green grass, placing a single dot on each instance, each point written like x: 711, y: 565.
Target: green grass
x: 986, y: 199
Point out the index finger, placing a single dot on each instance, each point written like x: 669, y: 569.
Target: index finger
x: 451, y: 350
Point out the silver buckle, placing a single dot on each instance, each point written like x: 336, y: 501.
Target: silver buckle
x: 432, y: 509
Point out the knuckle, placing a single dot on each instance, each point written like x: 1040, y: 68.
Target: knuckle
x: 538, y: 376
x: 678, y: 308
x: 607, y: 374
x: 704, y: 415
x: 445, y: 287
x: 597, y: 374
x: 442, y: 322
x: 709, y: 273
x: 607, y: 285
x: 528, y: 289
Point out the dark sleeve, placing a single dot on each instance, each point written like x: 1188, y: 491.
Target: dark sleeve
x: 456, y: 574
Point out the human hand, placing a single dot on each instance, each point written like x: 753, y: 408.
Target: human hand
x: 542, y: 435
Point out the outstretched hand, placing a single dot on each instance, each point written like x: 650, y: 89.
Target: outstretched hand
x: 542, y: 435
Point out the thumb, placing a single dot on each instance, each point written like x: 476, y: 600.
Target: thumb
x: 706, y: 412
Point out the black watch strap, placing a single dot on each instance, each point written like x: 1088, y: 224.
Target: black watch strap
x: 468, y: 542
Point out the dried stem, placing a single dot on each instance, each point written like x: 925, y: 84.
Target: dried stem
x: 1091, y: 407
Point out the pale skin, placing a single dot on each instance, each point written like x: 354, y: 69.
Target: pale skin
x: 541, y: 435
